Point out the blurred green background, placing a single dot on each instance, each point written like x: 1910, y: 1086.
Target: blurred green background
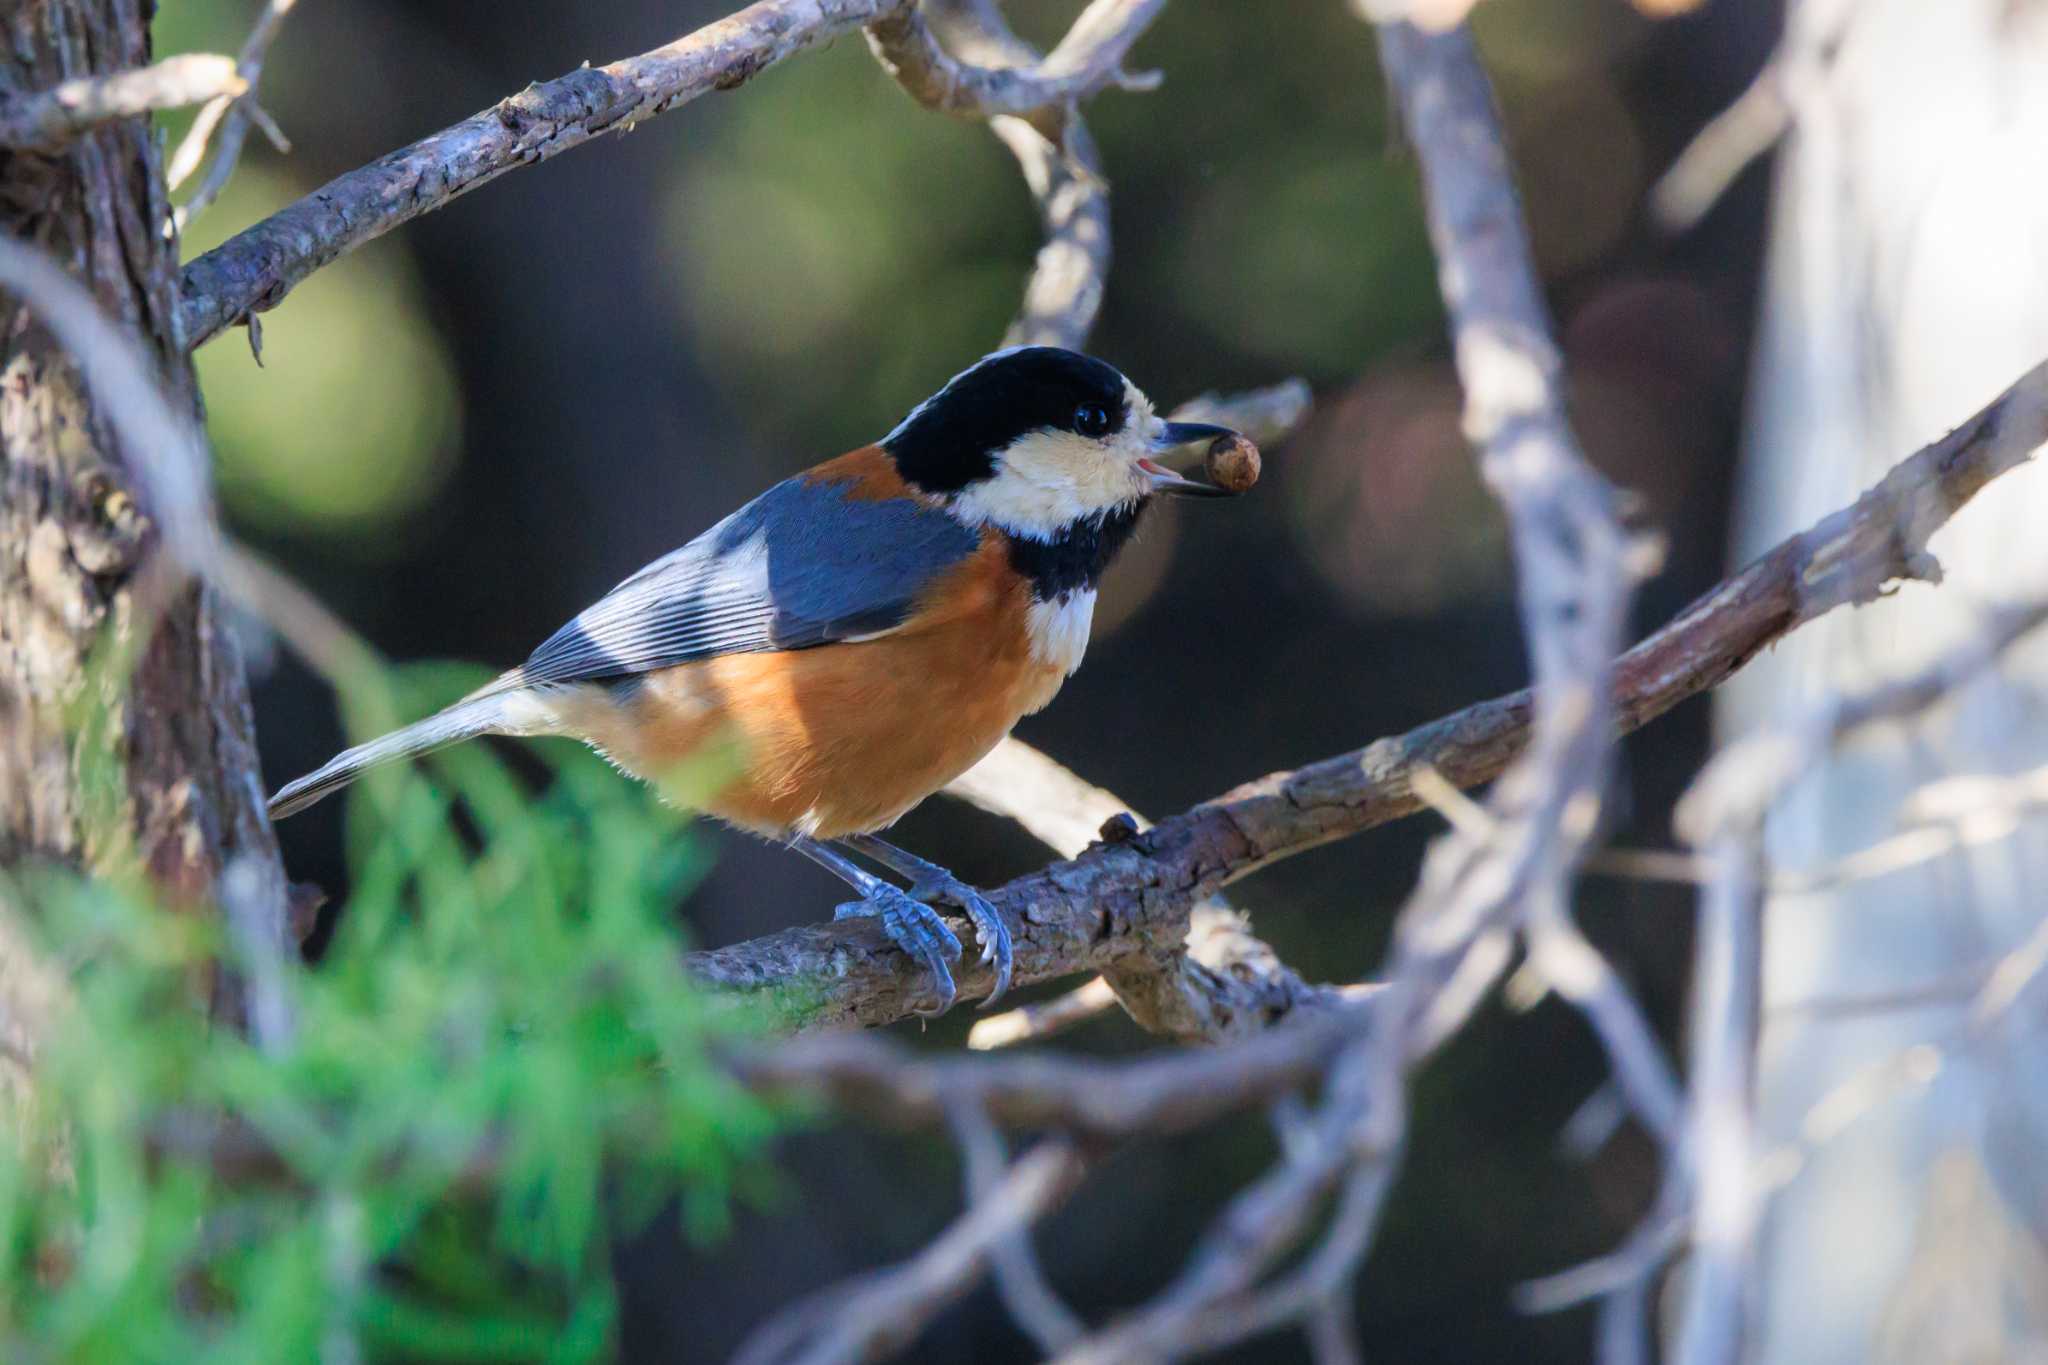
x: 466, y: 431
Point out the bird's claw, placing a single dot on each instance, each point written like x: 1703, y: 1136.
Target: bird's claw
x: 989, y: 926
x: 915, y: 928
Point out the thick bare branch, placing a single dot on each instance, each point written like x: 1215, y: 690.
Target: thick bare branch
x: 1064, y: 292
x: 254, y: 270
x: 1509, y: 865
x: 47, y: 120
x: 1118, y: 899
x: 1219, y: 981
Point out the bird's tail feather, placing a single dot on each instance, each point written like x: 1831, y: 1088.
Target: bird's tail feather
x: 472, y: 716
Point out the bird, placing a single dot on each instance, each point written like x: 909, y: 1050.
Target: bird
x: 866, y: 630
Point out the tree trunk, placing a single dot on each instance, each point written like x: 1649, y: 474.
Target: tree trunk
x: 1907, y: 284
x: 181, y: 799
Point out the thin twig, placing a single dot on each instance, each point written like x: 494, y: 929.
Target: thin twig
x: 1722, y: 1142
x: 1758, y: 119
x: 1722, y: 150
x: 1055, y: 805
x: 1057, y: 157
x: 1089, y: 59
x: 49, y: 120
x: 233, y: 116
x: 261, y: 952
x: 1035, y: 1023
x: 1722, y: 814
x: 1163, y: 1093
x: 885, y: 1310
x: 1268, y: 415
x: 1019, y: 1278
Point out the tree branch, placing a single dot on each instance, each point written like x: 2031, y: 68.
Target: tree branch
x: 49, y: 120
x: 254, y: 270
x: 877, y: 1314
x: 1218, y: 979
x: 1057, y: 157
x: 1722, y: 815
x: 1163, y: 1093
x: 1088, y: 59
x: 1120, y: 899
x: 231, y: 113
x: 1501, y: 870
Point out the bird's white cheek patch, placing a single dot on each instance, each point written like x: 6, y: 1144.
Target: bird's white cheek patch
x: 1047, y: 480
x: 1059, y: 629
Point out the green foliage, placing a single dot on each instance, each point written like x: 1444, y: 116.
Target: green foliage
x: 497, y: 1067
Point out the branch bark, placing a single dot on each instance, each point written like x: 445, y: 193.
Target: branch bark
x: 148, y: 768
x: 1087, y: 60
x: 1134, y: 897
x: 880, y: 1313
x: 253, y: 271
x: 1502, y: 870
x: 49, y: 120
x: 1054, y: 150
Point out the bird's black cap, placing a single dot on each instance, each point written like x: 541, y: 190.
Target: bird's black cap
x: 950, y: 440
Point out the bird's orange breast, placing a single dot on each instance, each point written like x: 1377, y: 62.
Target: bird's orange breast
x: 844, y: 738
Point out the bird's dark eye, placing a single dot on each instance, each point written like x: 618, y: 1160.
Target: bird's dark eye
x: 1091, y: 420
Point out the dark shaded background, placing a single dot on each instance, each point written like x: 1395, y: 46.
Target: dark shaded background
x: 468, y: 431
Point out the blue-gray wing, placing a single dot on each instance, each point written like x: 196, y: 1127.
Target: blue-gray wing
x: 799, y: 566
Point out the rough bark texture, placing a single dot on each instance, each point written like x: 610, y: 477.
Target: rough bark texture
x: 79, y: 580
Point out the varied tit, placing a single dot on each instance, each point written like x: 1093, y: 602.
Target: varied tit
x: 867, y: 630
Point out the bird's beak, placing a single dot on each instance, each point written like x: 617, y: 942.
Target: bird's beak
x: 1173, y: 436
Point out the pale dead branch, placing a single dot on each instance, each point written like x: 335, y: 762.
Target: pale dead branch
x: 48, y: 120
x: 1088, y: 60
x: 230, y: 114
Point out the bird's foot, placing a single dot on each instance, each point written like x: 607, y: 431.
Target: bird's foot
x: 989, y: 926
x: 915, y: 928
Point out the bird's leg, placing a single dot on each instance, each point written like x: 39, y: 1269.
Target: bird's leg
x: 929, y: 882
x: 910, y: 924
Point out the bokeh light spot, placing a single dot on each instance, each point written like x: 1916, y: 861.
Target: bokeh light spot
x: 351, y: 422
